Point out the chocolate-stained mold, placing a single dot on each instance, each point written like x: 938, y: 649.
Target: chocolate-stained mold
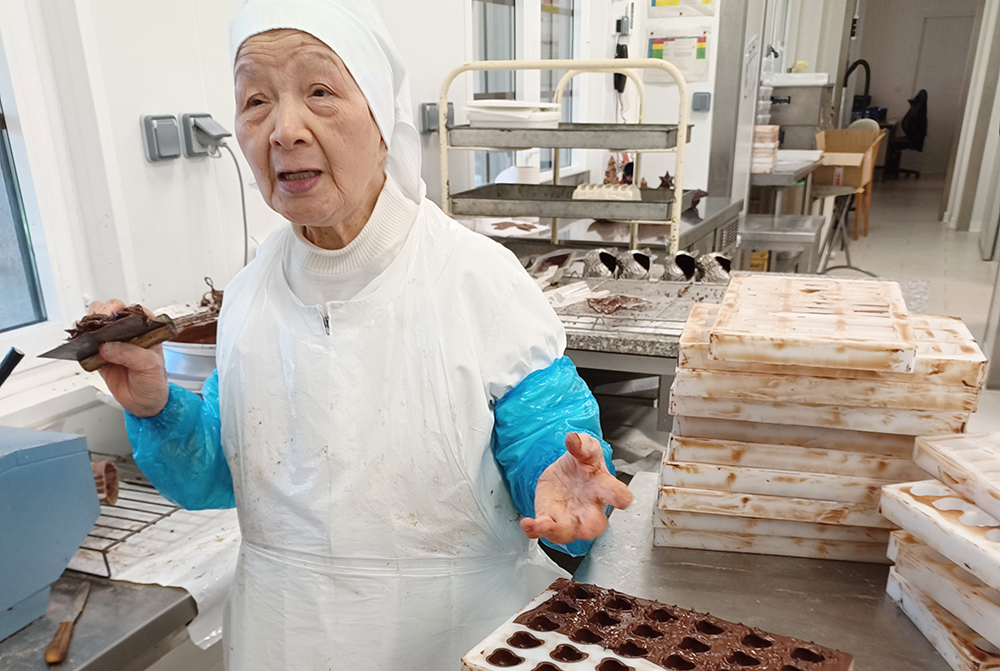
x: 948, y: 523
x: 597, y: 629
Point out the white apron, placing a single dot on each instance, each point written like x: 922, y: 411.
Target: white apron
x: 378, y: 533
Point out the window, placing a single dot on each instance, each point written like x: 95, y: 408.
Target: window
x: 494, y: 39
x: 22, y: 303
x: 557, y: 31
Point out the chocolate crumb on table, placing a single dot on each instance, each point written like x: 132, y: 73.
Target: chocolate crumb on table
x: 588, y: 627
x: 611, y: 304
x: 91, y: 323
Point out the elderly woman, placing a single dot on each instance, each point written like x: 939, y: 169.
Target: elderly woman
x: 391, y: 388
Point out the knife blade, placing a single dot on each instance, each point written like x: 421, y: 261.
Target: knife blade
x: 134, y: 329
x: 66, y: 602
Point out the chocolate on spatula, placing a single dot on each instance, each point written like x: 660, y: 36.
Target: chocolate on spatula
x: 573, y: 626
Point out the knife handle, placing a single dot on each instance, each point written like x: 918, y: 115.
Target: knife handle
x: 56, y: 652
x: 145, y: 341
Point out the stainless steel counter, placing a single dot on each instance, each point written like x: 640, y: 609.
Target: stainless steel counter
x: 123, y: 627
x: 838, y: 604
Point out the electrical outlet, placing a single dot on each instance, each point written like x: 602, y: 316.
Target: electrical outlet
x: 160, y: 139
x: 192, y: 146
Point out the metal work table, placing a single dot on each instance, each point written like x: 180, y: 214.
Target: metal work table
x: 837, y: 604
x: 789, y: 175
x: 642, y: 340
x: 123, y: 627
x: 795, y: 233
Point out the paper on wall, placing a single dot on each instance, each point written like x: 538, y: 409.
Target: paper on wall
x: 674, y: 8
x: 687, y: 49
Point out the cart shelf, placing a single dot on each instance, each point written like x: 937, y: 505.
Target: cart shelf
x: 545, y: 200
x: 616, y: 137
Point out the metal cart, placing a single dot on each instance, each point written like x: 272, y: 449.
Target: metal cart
x: 657, y: 206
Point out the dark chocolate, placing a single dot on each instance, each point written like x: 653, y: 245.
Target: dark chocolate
x: 670, y: 637
x: 611, y: 304
x: 93, y: 322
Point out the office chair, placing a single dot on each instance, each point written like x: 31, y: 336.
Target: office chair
x: 914, y: 128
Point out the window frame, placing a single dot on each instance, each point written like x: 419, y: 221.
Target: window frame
x: 527, y: 86
x: 34, y: 130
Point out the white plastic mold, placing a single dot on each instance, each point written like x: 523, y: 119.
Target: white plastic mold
x: 961, y: 648
x: 821, y: 486
x: 866, y: 442
x: 878, y: 420
x: 961, y: 593
x: 791, y: 457
x: 812, y: 321
x: 842, y: 391
x: 946, y: 354
x: 810, y: 548
x: 950, y: 524
x: 968, y: 463
x: 762, y: 506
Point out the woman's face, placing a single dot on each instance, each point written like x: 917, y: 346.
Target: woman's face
x: 306, y: 128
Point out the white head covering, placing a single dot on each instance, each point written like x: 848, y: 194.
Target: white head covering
x: 355, y: 31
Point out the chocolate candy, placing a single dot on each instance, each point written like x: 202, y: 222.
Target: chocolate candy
x: 575, y: 626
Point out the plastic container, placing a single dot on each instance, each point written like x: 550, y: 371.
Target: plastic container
x: 764, y: 106
x: 763, y: 119
x: 764, y: 93
x: 188, y: 364
x: 513, y: 114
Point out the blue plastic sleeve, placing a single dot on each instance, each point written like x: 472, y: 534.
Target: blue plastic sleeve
x: 180, y: 449
x: 531, y: 424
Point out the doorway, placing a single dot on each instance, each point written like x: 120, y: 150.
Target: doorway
x: 940, y: 62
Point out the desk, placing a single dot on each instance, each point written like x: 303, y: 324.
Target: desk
x: 837, y: 604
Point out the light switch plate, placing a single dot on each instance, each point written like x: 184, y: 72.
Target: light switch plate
x: 160, y: 137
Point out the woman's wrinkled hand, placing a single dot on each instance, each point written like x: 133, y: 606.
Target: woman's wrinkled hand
x: 573, y: 493
x: 135, y: 376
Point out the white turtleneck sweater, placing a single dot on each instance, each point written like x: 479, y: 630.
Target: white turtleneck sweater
x: 318, y: 276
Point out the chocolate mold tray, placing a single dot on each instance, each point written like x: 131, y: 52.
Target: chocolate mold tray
x: 941, y: 518
x: 763, y: 506
x: 947, y: 354
x: 877, y: 420
x: 782, y: 546
x: 573, y: 627
x: 812, y: 321
x: 821, y: 486
x: 786, y: 388
x: 756, y: 527
x: 961, y: 593
x: 792, y: 458
x: 961, y: 648
x: 865, y: 442
x: 968, y: 463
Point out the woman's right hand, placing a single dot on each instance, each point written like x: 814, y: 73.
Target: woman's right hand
x: 135, y: 376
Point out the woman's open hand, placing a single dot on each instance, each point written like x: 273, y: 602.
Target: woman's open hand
x: 573, y: 493
x: 136, y: 377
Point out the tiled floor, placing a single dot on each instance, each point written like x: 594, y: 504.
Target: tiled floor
x: 906, y: 240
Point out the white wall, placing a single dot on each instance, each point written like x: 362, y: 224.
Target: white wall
x: 892, y: 44
x: 433, y: 39
x: 173, y: 222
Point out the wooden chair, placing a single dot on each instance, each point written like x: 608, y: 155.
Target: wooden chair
x: 863, y: 196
